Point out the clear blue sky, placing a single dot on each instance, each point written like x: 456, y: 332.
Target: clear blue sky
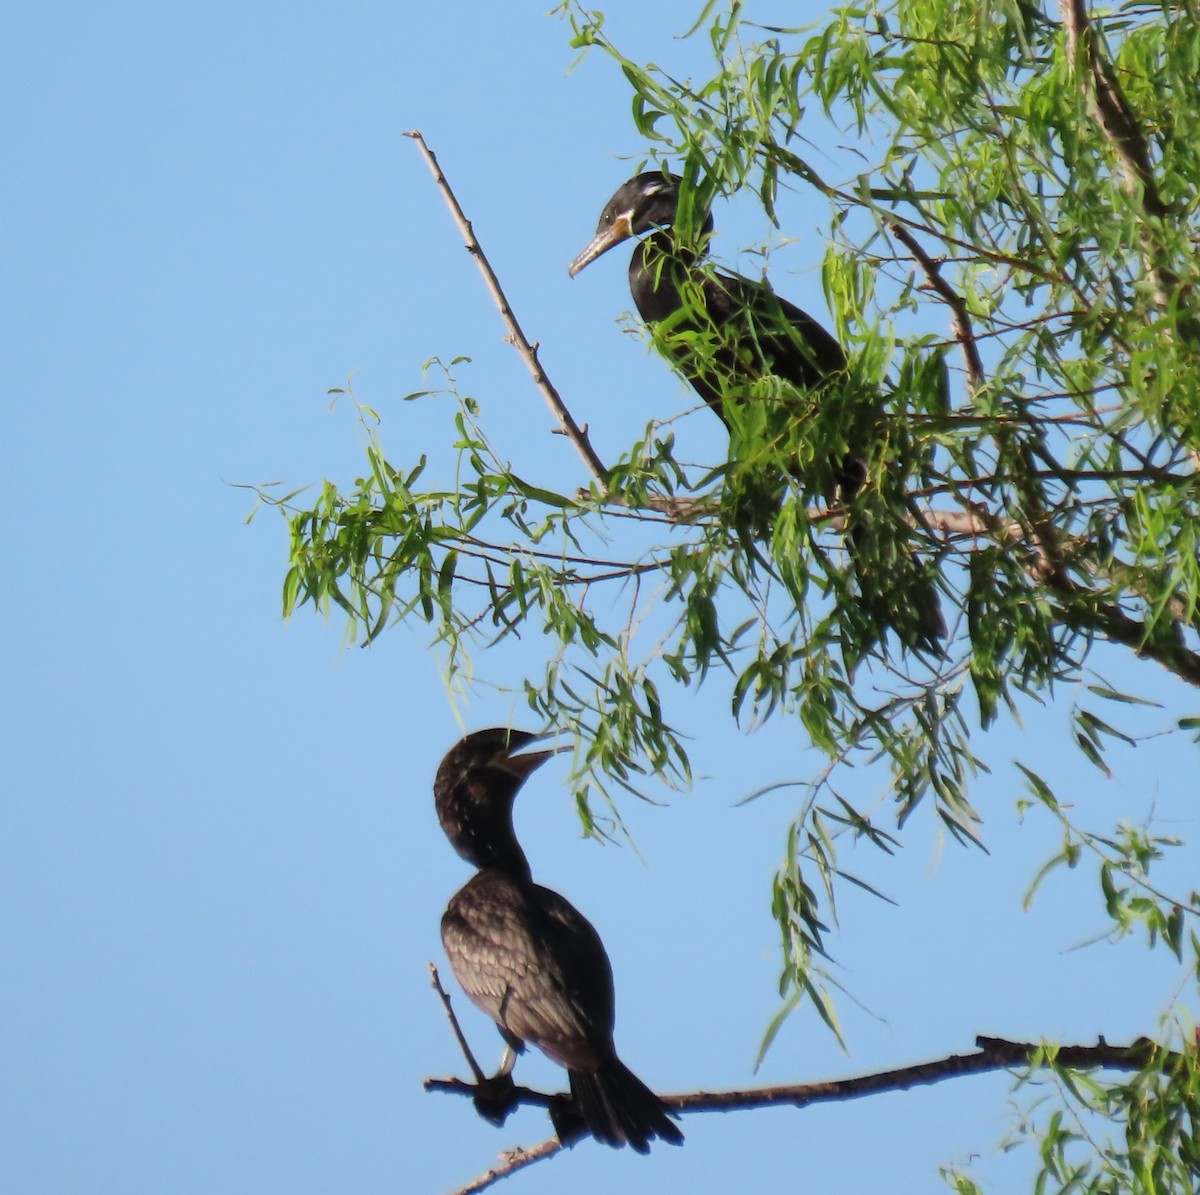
x: 221, y: 874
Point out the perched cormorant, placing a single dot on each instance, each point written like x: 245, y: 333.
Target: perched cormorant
x: 527, y: 957
x: 759, y: 333
x: 745, y: 334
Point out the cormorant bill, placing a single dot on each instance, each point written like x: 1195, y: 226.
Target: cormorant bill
x: 527, y: 957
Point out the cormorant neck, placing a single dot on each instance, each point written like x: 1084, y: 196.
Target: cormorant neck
x: 657, y: 270
x: 476, y: 815
x: 497, y: 848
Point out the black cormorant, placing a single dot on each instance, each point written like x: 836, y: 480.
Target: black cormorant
x: 744, y: 334
x: 757, y: 333
x: 526, y: 956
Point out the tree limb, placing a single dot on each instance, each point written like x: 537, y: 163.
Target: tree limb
x: 1113, y: 113
x: 1120, y: 127
x: 516, y: 337
x: 1108, y: 620
x: 993, y: 1054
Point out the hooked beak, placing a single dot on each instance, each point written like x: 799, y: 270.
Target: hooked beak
x: 524, y: 765
x: 621, y: 229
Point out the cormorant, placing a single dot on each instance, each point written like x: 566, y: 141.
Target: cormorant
x: 750, y: 332
x: 526, y: 956
x: 744, y: 334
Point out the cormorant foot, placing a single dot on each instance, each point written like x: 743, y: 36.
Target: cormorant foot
x: 495, y: 1098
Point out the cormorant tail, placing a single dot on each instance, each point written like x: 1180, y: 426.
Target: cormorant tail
x: 619, y: 1109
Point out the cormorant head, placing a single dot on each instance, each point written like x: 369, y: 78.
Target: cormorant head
x: 646, y: 201
x: 474, y: 790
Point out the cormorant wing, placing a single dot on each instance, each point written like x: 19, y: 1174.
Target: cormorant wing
x: 535, y: 965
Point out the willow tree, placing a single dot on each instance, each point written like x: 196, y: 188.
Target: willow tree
x: 1026, y: 183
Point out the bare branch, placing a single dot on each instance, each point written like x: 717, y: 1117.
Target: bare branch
x: 436, y: 981
x: 993, y: 1054
x: 512, y: 1160
x: 516, y: 337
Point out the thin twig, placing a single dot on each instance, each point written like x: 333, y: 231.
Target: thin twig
x: 476, y: 1069
x: 511, y: 1161
x: 962, y: 319
x: 517, y: 338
